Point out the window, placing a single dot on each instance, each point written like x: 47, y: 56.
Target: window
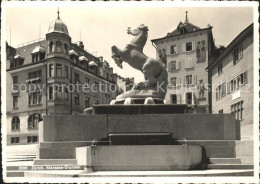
x: 14, y: 140
x: 15, y: 80
x: 237, y: 82
x: 237, y: 109
x: 51, y: 47
x: 58, y: 46
x: 188, y: 63
x: 220, y: 69
x: 173, y: 49
x: 76, y: 78
x: 172, y: 65
x: 86, y: 102
x: 86, y: 81
x: 237, y: 53
x: 220, y: 111
x: 76, y: 99
x: 58, y: 70
x: 174, y: 99
x: 107, y: 97
x: 32, y: 139
x: 66, y: 71
x: 221, y: 91
x: 35, y: 98
x: 35, y: 76
x: 65, y: 49
x: 51, y: 70
x: 15, y: 101
x: 51, y: 93
x: 66, y: 93
x: 15, y: 123
x: 188, y: 79
x: 96, y: 87
x: 189, y: 98
x: 33, y: 120
x: 35, y: 57
x: 174, y: 81
x: 188, y: 46
x: 59, y: 92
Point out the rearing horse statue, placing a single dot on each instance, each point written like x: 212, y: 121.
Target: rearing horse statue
x: 155, y: 74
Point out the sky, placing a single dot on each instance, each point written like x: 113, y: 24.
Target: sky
x: 102, y: 27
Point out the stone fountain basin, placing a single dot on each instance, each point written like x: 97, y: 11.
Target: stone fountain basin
x: 140, y: 157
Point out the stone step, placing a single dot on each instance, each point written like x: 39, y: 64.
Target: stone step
x: 159, y: 174
x: 225, y: 160
x: 209, y: 142
x: 57, y: 153
x: 55, y: 162
x: 220, y: 151
x: 230, y: 166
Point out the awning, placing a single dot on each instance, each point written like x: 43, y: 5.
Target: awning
x: 72, y: 52
x: 33, y: 79
x: 38, y: 49
x: 92, y: 63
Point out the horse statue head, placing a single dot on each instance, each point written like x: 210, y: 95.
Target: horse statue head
x: 136, y: 31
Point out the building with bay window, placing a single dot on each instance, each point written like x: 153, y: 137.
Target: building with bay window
x: 43, y: 77
x: 189, y: 49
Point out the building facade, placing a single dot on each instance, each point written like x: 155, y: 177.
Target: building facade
x: 53, y: 76
x: 188, y: 49
x: 232, y: 81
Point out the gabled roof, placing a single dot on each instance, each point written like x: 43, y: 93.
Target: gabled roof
x: 233, y: 44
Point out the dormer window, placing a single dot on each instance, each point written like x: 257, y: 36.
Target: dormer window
x: 38, y: 54
x: 18, y: 61
x: 83, y: 59
x: 73, y: 56
x: 58, y: 46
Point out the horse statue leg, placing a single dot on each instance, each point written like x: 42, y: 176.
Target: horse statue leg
x: 117, y: 56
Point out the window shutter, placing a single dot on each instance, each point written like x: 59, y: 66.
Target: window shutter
x: 179, y: 64
x: 177, y: 48
x: 192, y: 98
x: 234, y: 57
x: 191, y: 63
x: 178, y: 99
x: 216, y: 93
x: 168, y: 50
x: 186, y: 63
x: 228, y: 87
x: 183, y: 47
x: 184, y: 80
x: 245, y: 77
x: 241, y: 51
x: 223, y: 90
x: 193, y: 45
x: 183, y: 99
x: 194, y: 79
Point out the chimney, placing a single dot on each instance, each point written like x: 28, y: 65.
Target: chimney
x: 81, y: 45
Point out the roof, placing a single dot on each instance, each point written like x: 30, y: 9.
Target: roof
x: 27, y: 50
x: 58, y: 26
x: 175, y: 33
x: 38, y: 48
x: 232, y: 45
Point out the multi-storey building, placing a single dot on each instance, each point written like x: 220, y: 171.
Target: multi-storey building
x: 233, y: 79
x: 47, y: 76
x: 188, y: 49
x: 233, y: 88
